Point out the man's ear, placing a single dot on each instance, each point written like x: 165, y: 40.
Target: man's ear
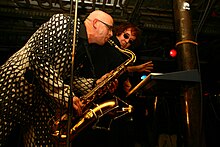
x: 94, y: 23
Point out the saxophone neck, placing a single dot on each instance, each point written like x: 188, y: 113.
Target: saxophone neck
x: 125, y: 51
x: 100, y: 89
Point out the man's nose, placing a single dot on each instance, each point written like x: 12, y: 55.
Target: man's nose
x: 127, y: 41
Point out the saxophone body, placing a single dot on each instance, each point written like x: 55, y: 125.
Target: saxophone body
x: 92, y: 111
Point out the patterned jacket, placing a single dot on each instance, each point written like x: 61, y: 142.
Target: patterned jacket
x: 35, y: 80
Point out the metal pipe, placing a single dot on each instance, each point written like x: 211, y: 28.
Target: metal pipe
x: 191, y: 100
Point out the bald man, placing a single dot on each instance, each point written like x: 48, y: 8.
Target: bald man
x: 35, y: 81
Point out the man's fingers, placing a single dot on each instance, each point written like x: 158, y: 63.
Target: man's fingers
x: 112, y: 87
x: 77, y: 105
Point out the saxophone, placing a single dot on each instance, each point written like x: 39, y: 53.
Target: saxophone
x: 93, y: 114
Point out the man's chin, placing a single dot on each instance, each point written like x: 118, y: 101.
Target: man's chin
x: 101, y: 43
x: 124, y: 46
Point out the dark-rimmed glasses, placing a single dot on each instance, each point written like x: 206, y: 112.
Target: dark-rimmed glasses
x: 110, y: 27
x: 127, y: 36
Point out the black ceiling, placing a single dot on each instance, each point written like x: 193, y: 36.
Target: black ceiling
x: 20, y: 18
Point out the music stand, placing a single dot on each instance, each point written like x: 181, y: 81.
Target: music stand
x: 172, y: 77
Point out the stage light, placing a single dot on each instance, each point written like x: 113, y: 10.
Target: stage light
x: 173, y: 53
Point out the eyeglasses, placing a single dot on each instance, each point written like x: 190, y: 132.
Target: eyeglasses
x: 127, y: 36
x: 110, y: 27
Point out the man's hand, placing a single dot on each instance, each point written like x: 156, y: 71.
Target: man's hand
x: 127, y: 85
x: 145, y: 67
x: 77, y: 105
x: 112, y: 86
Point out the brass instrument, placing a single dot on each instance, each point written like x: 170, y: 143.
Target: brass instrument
x: 92, y: 114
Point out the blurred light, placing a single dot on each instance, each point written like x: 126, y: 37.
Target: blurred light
x: 143, y: 77
x: 173, y: 53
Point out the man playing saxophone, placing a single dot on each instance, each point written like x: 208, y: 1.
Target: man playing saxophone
x: 35, y: 81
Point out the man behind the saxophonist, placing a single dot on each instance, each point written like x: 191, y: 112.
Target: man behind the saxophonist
x: 35, y: 81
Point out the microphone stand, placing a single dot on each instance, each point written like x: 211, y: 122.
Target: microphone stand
x: 70, y: 101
